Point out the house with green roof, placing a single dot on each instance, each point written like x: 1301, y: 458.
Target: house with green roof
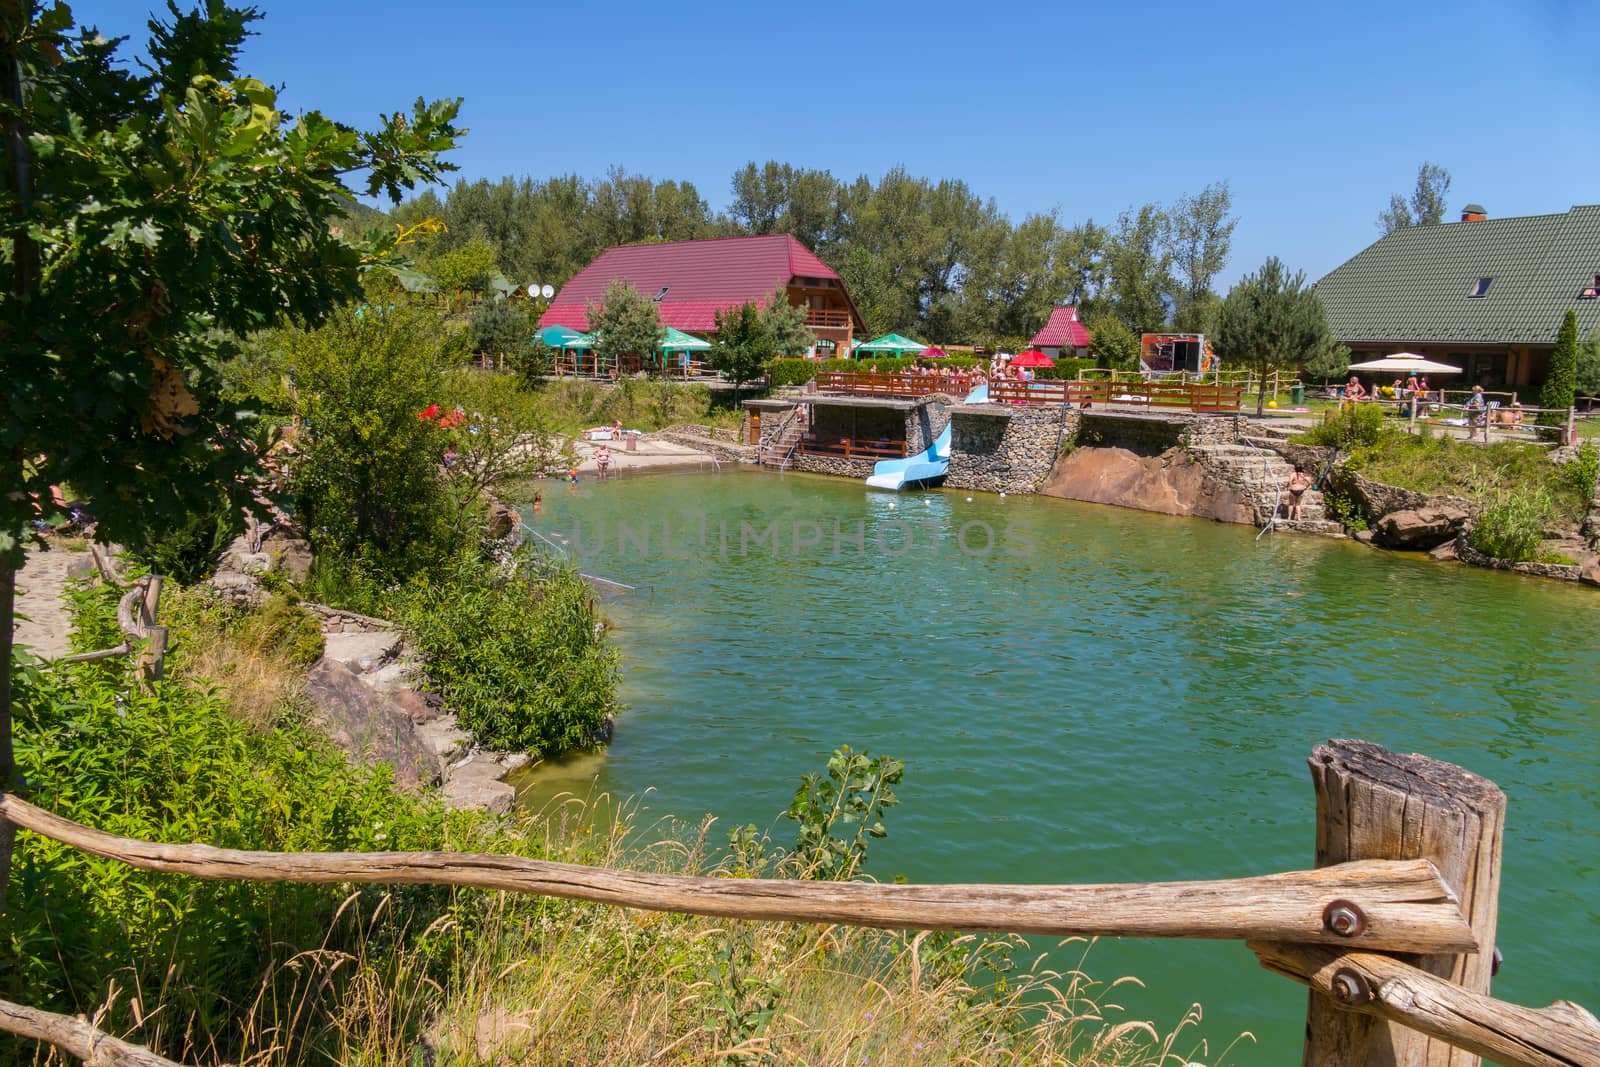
x: 1486, y: 295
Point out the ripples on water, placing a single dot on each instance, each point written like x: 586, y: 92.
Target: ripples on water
x: 1134, y: 700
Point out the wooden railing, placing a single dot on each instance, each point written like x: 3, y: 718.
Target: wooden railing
x: 1190, y: 397
x: 868, y: 383
x: 828, y: 319
x: 827, y: 444
x: 1393, y: 930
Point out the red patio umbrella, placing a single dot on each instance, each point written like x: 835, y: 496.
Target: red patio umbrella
x: 933, y: 352
x: 1032, y: 358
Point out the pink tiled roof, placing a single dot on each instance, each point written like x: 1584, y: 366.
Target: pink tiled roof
x: 1062, y: 331
x: 701, y: 277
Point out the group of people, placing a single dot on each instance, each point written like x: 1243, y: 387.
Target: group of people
x: 1414, y: 388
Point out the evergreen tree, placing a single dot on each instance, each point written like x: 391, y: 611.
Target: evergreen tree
x: 1272, y: 319
x: 1112, y: 344
x: 626, y: 323
x: 1588, y: 377
x: 744, y: 343
x: 1560, y: 384
x: 786, y: 323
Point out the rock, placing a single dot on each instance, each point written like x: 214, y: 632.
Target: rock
x: 368, y: 725
x: 1445, y: 552
x: 1424, y: 527
x: 476, y: 786
x: 422, y: 707
x: 362, y: 651
x: 238, y: 587
x: 501, y: 519
x: 289, y: 555
x: 1590, y: 574
x: 515, y: 761
x: 1168, y: 482
x: 1364, y: 536
x: 442, y: 738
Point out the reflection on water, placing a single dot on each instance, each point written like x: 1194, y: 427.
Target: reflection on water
x: 1134, y: 699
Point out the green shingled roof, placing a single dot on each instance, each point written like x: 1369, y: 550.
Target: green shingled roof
x: 1414, y: 285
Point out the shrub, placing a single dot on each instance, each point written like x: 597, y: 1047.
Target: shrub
x: 1513, y: 527
x: 1581, y: 472
x: 1356, y: 426
x: 518, y: 657
x: 284, y: 628
x: 1065, y: 370
x: 169, y: 763
x: 188, y: 552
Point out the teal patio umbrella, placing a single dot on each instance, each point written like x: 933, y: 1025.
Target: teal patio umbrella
x: 683, y: 343
x: 556, y: 336
x: 893, y: 344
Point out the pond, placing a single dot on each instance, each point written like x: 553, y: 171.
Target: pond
x: 1089, y: 694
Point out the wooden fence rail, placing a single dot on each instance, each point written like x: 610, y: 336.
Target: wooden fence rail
x: 1408, y: 857
x: 1402, y: 906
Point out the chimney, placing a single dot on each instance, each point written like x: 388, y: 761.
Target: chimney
x: 1474, y: 213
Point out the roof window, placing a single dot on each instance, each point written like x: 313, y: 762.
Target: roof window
x: 1480, y: 287
x: 1591, y: 291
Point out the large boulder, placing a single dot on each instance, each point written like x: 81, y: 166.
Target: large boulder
x: 1590, y: 574
x: 476, y: 786
x: 368, y: 725
x: 502, y: 519
x: 1422, y: 528
x: 290, y: 556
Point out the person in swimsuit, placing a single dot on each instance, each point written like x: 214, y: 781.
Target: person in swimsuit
x: 1299, y: 482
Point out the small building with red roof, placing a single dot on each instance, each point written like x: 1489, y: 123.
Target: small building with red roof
x: 1063, y: 337
x: 693, y: 280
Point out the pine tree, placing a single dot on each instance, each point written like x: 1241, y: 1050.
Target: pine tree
x: 1560, y: 384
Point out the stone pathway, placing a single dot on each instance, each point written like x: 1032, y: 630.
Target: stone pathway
x: 41, y: 588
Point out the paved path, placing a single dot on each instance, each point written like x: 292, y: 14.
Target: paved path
x: 40, y: 587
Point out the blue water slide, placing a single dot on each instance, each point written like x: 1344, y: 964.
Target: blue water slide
x: 925, y: 466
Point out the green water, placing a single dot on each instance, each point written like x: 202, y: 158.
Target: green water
x: 1132, y: 699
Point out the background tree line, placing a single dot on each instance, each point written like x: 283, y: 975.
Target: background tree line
x: 932, y: 258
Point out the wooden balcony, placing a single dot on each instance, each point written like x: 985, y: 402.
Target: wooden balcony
x: 828, y: 319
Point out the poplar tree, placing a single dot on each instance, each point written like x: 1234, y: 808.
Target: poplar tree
x: 1560, y: 384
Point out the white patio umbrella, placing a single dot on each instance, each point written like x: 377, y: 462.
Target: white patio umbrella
x: 1405, y: 363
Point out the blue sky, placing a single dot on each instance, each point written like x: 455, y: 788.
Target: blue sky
x: 1314, y: 113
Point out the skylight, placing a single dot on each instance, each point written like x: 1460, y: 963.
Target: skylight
x: 1481, y: 287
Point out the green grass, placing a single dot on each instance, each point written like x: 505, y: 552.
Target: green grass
x: 1481, y: 473
x: 570, y: 407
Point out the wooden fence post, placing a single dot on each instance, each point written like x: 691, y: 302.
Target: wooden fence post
x: 152, y: 660
x: 1377, y: 804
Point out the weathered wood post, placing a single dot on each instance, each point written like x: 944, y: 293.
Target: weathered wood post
x: 152, y: 659
x: 1377, y: 804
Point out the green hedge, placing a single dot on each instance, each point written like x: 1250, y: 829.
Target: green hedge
x: 801, y: 371
x: 1064, y: 370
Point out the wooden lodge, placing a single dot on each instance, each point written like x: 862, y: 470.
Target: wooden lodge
x: 693, y: 280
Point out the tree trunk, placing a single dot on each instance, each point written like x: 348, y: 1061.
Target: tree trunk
x: 8, y: 760
x: 24, y: 279
x: 1261, y: 393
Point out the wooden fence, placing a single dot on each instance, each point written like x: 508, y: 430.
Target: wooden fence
x: 870, y: 383
x: 1393, y: 929
x: 1154, y: 394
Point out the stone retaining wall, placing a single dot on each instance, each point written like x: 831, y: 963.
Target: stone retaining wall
x: 725, y: 452
x: 1007, y: 451
x: 835, y: 465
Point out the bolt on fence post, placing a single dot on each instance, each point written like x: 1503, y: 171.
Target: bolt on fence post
x: 1377, y: 804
